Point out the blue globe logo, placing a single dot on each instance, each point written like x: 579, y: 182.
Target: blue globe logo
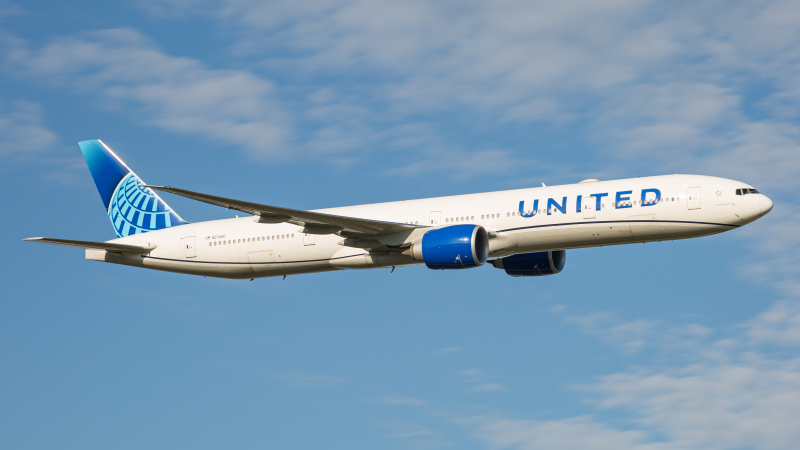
x: 135, y: 209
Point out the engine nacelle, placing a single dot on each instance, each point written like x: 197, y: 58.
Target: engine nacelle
x: 454, y: 247
x: 532, y: 264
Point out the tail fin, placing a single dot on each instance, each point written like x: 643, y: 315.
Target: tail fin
x: 131, y: 208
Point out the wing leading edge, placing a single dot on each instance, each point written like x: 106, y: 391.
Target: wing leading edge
x: 313, y: 222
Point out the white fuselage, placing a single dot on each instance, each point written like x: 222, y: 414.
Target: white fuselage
x: 690, y: 206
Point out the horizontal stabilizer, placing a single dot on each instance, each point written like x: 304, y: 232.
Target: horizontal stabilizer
x: 314, y: 222
x: 108, y: 246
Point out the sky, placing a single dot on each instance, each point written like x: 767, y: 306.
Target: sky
x: 322, y: 103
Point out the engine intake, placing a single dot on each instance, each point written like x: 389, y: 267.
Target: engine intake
x: 532, y: 264
x: 453, y: 247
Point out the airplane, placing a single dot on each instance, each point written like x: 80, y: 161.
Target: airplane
x: 524, y: 232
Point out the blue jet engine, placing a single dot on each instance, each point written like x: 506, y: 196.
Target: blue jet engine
x: 454, y: 247
x: 532, y: 264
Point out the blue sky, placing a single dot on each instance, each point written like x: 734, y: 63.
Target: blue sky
x: 679, y: 345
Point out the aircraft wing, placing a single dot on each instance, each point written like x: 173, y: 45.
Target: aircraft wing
x: 93, y: 245
x: 314, y: 222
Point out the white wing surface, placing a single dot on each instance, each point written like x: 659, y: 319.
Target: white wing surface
x: 313, y: 222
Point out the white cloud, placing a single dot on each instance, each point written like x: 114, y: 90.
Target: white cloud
x: 775, y: 246
x: 487, y: 387
x: 779, y: 324
x: 401, y: 401
x: 178, y: 94
x: 477, y: 379
x: 576, y: 433
x: 22, y: 130
x: 8, y: 9
x: 710, y: 394
x: 633, y: 336
x: 310, y: 381
x: 461, y: 164
x: 706, y: 87
x: 749, y: 404
x: 472, y: 375
x: 405, y: 430
x: 447, y: 351
x: 414, y: 435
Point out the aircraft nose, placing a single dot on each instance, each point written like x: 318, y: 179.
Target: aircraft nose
x: 765, y: 204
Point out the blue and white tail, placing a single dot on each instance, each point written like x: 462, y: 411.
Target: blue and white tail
x: 131, y: 208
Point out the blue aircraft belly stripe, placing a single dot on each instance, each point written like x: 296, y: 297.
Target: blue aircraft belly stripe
x: 590, y: 222
x: 249, y: 264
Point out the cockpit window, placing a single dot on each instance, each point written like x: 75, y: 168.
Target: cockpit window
x: 753, y: 191
x: 738, y: 192
x: 745, y: 191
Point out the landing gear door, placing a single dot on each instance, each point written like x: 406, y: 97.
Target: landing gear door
x: 188, y: 245
x: 588, y: 204
x: 435, y: 218
x: 693, y: 198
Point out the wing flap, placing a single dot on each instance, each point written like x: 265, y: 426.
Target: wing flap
x: 108, y: 246
x: 314, y: 222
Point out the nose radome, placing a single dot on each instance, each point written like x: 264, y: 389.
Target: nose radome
x: 765, y: 204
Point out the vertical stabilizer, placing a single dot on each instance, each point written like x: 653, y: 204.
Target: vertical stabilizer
x: 131, y: 208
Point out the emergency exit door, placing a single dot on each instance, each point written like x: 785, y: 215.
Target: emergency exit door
x: 188, y: 245
x: 588, y: 207
x: 436, y: 218
x: 693, y: 198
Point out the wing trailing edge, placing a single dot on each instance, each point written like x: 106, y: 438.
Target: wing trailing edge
x: 313, y: 222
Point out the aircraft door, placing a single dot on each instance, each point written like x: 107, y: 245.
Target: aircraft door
x: 588, y: 204
x: 436, y: 218
x: 308, y: 239
x: 693, y: 198
x: 188, y: 245
x: 262, y: 261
